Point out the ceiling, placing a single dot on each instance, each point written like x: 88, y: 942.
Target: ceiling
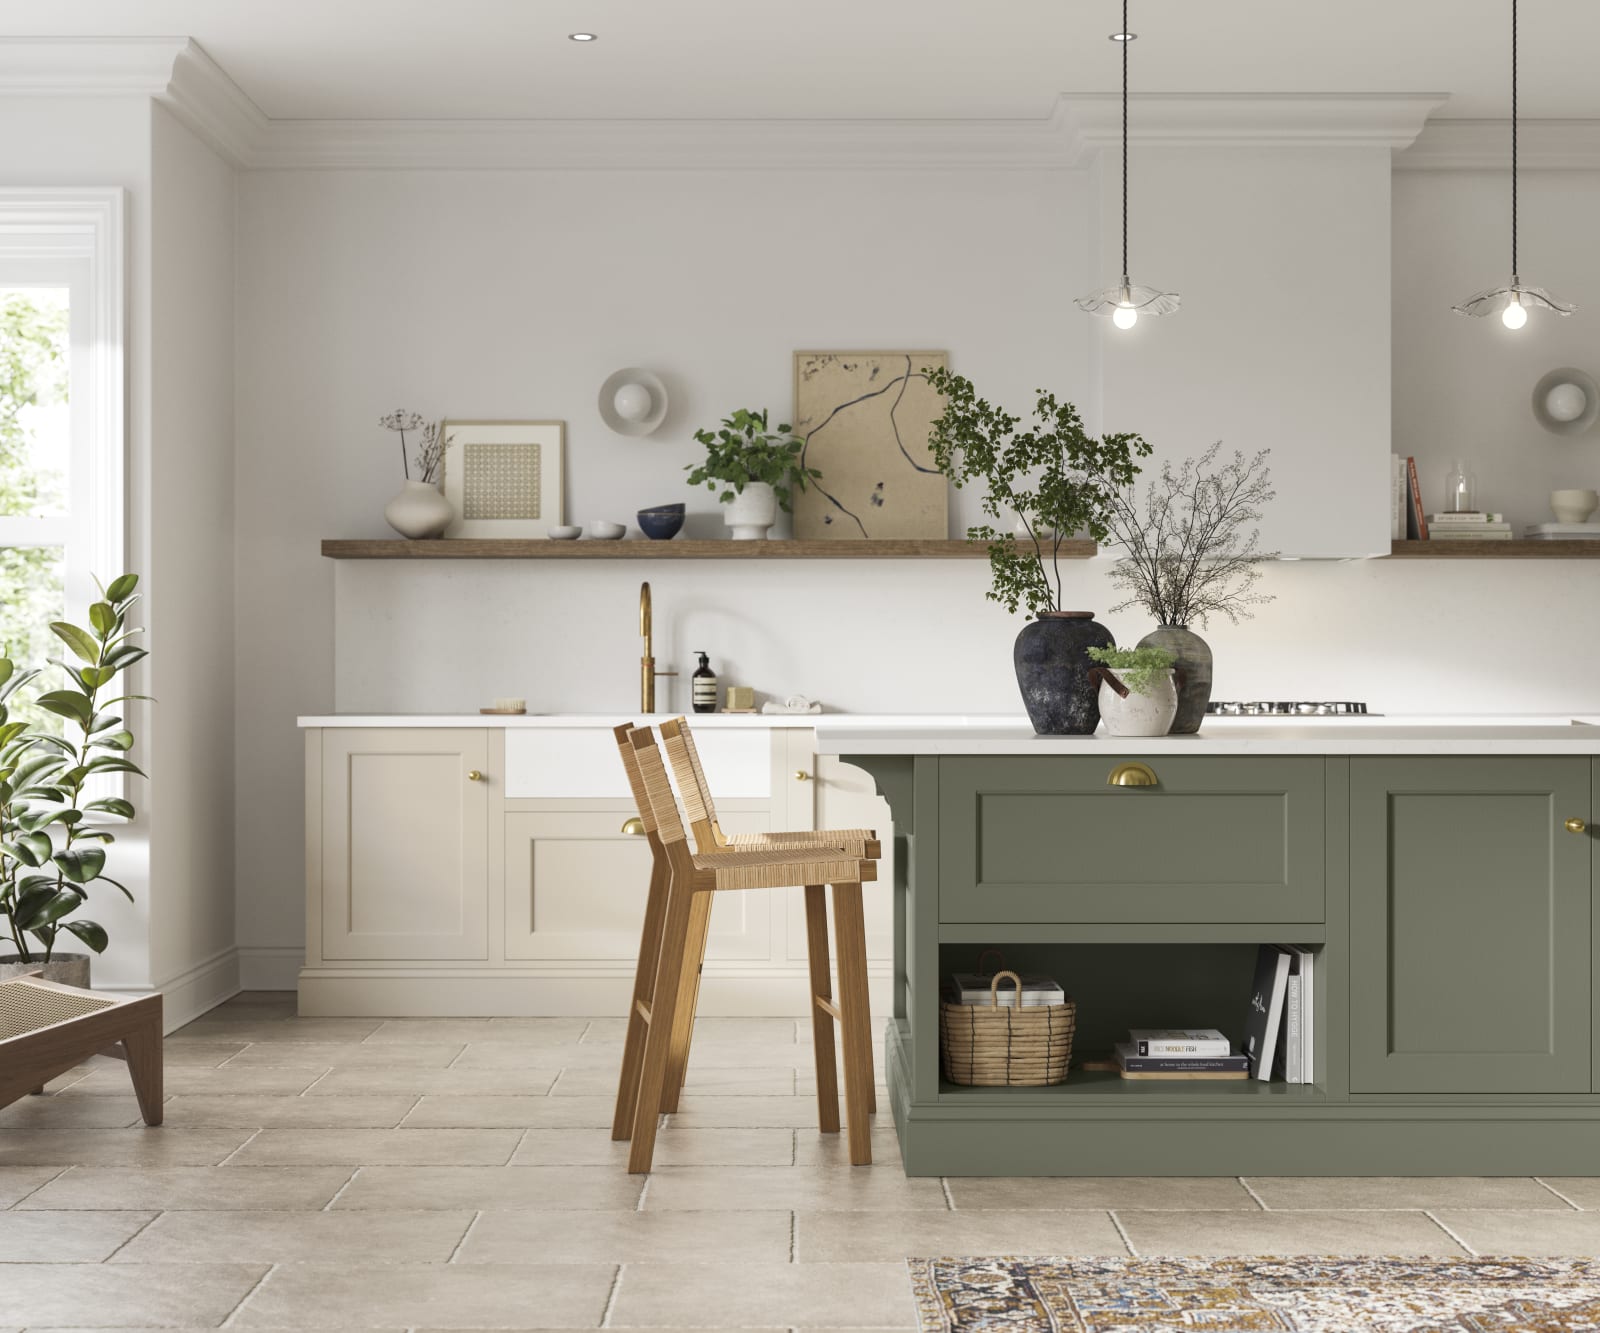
x: 840, y: 59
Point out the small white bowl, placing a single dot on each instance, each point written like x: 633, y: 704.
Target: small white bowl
x: 565, y: 534
x: 606, y: 532
x: 1573, y: 506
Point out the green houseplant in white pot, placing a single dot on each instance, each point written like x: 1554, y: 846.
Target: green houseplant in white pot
x: 1138, y: 689
x: 758, y: 470
x: 54, y: 833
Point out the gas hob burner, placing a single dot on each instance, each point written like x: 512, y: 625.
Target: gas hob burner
x: 1279, y: 708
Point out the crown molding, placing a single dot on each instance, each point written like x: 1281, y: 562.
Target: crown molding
x: 178, y: 73
x: 1485, y: 145
x: 1252, y: 120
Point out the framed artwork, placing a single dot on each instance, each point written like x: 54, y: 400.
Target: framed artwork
x: 503, y: 478
x: 865, y: 418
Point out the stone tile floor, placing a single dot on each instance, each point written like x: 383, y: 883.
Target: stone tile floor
x: 459, y: 1173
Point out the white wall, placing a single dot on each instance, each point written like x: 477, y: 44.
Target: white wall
x: 191, y: 571
x: 514, y: 295
x: 1463, y: 387
x: 105, y: 141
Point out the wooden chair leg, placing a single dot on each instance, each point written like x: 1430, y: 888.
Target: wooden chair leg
x: 822, y: 1018
x: 658, y: 1040
x: 144, y: 1067
x: 850, y: 932
x: 644, y: 981
x: 688, y: 1002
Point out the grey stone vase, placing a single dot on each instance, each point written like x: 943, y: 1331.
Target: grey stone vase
x: 65, y: 969
x: 1194, y: 657
x: 1053, y: 667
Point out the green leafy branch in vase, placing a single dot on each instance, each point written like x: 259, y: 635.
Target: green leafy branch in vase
x: 1056, y: 479
x: 52, y: 840
x: 745, y: 450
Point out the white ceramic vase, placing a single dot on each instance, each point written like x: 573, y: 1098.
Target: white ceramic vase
x: 419, y: 511
x: 1149, y: 714
x: 752, y: 512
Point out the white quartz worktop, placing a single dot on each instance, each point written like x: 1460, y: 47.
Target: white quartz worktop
x: 874, y: 721
x: 1232, y: 736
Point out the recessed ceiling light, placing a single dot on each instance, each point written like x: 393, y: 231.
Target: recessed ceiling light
x: 582, y: 37
x: 1124, y: 36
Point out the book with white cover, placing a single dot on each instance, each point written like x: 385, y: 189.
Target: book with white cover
x: 1483, y: 533
x: 1291, y: 1039
x: 973, y: 988
x: 1301, y: 966
x: 1397, y: 498
x: 1160, y: 1042
x: 1476, y: 518
x: 1562, y: 532
x: 1265, y: 1014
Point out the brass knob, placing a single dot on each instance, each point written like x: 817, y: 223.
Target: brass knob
x: 1133, y: 775
x: 800, y: 775
x: 1577, y: 826
x: 634, y: 826
x: 474, y: 776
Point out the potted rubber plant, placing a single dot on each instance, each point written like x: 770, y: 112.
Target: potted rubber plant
x: 1056, y: 480
x: 757, y: 468
x: 1138, y: 689
x: 54, y: 832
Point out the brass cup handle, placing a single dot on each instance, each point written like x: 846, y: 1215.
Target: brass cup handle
x: 633, y: 826
x: 1133, y: 775
x: 474, y: 776
x: 1576, y: 826
x: 800, y: 775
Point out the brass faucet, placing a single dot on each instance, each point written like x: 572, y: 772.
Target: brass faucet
x: 647, y: 663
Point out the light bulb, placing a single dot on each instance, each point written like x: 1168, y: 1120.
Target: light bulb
x: 1125, y: 316
x: 1515, y: 315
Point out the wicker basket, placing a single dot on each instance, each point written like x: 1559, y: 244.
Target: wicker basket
x: 997, y: 1046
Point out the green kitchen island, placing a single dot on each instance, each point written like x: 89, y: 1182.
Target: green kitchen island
x: 1444, y: 877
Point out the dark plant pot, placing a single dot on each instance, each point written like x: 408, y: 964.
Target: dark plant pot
x: 66, y: 969
x: 1194, y: 681
x: 1053, y: 665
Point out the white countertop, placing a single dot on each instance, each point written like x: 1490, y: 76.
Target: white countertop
x: 1235, y: 736
x: 980, y: 733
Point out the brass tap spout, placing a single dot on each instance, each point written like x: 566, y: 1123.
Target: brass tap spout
x: 647, y: 661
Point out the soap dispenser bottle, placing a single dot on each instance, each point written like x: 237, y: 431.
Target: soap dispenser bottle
x: 703, y: 685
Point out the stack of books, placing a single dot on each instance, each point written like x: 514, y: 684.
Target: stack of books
x: 1180, y: 1053
x: 1562, y: 532
x: 1476, y: 527
x: 1280, y: 1024
x: 974, y: 988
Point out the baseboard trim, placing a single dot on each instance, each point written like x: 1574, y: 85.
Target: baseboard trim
x: 194, y: 991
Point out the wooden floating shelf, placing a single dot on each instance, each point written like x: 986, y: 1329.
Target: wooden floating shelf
x: 477, y: 548
x: 1462, y: 549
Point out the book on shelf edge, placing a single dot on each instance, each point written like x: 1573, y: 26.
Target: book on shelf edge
x: 1289, y: 1042
x: 1265, y: 1015
x: 1397, y: 498
x: 1417, y: 527
x: 1466, y: 520
x: 1163, y: 1043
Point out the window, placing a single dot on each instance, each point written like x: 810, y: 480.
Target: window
x: 61, y: 409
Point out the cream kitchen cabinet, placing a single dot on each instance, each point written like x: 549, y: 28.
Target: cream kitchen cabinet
x: 430, y: 892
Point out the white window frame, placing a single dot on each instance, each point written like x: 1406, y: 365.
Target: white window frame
x: 75, y: 238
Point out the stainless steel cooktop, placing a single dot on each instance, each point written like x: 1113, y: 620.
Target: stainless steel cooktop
x: 1281, y: 708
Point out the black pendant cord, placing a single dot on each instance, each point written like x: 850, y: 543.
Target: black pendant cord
x: 1514, y: 269
x: 1127, y: 41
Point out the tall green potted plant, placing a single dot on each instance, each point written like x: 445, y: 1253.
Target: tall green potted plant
x: 54, y: 834
x: 1057, y: 480
x: 757, y: 468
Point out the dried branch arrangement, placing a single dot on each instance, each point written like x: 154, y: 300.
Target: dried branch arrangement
x: 1193, y: 550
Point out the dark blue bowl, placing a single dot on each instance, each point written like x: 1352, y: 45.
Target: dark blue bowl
x: 661, y: 523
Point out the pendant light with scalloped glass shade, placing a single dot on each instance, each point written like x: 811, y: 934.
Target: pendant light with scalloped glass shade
x: 1126, y: 302
x: 1512, y: 303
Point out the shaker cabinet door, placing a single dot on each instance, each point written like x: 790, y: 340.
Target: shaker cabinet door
x: 1470, y: 925
x: 405, y: 844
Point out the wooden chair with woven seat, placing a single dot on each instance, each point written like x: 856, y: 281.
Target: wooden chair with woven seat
x: 47, y: 1029
x: 701, y: 810
x: 695, y: 875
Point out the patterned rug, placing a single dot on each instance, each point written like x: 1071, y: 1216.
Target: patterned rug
x: 1307, y: 1295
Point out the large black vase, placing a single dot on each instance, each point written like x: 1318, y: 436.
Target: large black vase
x: 1053, y: 666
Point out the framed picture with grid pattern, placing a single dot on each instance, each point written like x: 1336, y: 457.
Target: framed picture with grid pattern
x: 503, y: 478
